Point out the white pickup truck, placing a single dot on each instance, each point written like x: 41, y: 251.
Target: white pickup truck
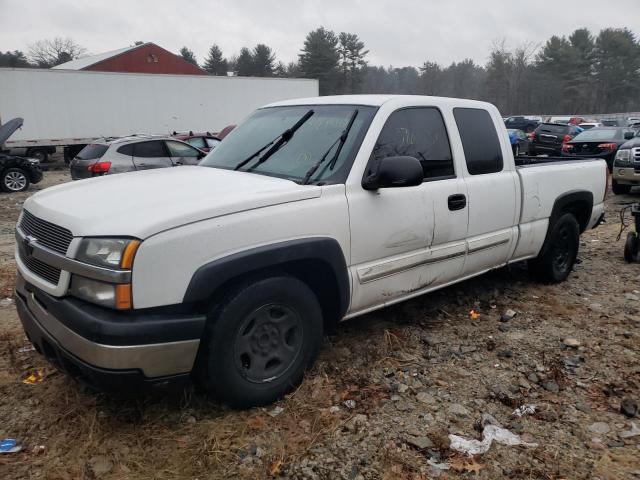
x: 310, y: 212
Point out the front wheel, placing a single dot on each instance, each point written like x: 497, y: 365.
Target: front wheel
x: 260, y: 340
x: 559, y: 252
x: 619, y: 189
x: 14, y: 180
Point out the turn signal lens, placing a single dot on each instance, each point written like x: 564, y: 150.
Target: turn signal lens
x: 99, y: 167
x: 567, y: 147
x: 124, y: 299
x: 129, y: 254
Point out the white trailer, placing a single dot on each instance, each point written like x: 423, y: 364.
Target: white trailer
x: 71, y: 108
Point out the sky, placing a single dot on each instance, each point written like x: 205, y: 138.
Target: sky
x: 398, y: 33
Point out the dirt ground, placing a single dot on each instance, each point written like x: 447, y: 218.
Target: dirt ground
x: 388, y: 390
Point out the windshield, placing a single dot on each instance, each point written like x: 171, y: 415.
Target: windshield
x: 294, y: 159
x: 599, y: 135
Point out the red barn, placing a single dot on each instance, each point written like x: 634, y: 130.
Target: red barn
x: 145, y: 58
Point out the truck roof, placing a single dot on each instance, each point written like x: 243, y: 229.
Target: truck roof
x: 379, y: 100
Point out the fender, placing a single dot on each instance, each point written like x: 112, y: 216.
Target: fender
x: 581, y: 197
x: 209, y: 277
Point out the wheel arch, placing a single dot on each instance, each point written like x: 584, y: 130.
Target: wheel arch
x: 577, y: 202
x: 318, y: 262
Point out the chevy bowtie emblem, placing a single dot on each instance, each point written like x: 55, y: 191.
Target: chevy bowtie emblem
x: 27, y: 244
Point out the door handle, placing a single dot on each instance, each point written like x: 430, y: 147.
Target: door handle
x: 457, y: 201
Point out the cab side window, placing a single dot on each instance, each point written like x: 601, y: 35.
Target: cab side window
x: 153, y: 149
x: 480, y: 141
x: 419, y: 133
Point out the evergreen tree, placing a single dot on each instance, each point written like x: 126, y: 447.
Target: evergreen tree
x: 244, y: 63
x: 352, y: 62
x: 15, y: 59
x: 319, y: 59
x: 215, y: 63
x: 263, y: 61
x: 188, y: 55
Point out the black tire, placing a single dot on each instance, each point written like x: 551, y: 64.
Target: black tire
x: 14, y: 180
x: 260, y: 340
x: 532, y: 151
x: 631, y: 247
x: 559, y: 252
x: 39, y: 153
x: 619, y: 189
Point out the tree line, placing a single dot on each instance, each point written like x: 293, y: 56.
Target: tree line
x: 579, y: 73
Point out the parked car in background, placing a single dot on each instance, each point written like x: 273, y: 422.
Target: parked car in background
x: 519, y: 142
x: 610, y: 122
x: 590, y: 125
x: 626, y: 167
x: 202, y: 141
x: 225, y: 131
x: 132, y: 153
x: 567, y: 120
x: 526, y: 124
x: 549, y: 137
x: 632, y: 120
x: 16, y: 172
x: 600, y: 142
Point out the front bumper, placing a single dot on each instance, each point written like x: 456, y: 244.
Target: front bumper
x: 143, y: 351
x: 626, y: 175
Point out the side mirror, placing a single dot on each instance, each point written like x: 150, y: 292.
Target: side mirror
x: 395, y: 172
x: 629, y: 135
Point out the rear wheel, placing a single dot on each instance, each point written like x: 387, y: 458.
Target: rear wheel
x: 14, y: 180
x: 260, y: 340
x: 620, y: 189
x: 559, y: 252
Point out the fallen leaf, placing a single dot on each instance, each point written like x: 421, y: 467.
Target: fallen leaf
x: 474, y: 315
x: 460, y: 464
x: 257, y: 422
x: 33, y: 378
x: 274, y: 470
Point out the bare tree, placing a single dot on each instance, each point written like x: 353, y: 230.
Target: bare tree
x: 50, y: 52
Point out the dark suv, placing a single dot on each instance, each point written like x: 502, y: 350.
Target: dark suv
x: 548, y: 138
x: 525, y: 124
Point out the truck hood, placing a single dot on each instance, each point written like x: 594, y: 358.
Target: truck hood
x: 141, y: 204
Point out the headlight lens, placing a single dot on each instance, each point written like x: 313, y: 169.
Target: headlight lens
x: 100, y: 293
x: 108, y: 252
x: 623, y: 156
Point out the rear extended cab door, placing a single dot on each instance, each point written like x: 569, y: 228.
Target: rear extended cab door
x: 493, y: 188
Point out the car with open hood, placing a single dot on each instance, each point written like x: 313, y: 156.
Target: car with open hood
x: 16, y: 172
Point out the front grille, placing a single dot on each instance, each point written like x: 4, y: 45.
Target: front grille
x: 635, y: 154
x: 49, y: 273
x: 46, y: 233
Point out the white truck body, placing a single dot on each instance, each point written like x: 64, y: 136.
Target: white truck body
x: 68, y: 107
x: 397, y: 243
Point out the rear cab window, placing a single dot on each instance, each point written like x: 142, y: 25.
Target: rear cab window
x: 482, y: 150
x: 92, y: 151
x: 417, y: 132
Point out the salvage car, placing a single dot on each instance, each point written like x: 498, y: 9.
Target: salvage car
x: 128, y: 154
x: 519, y: 142
x: 16, y: 172
x: 600, y: 142
x: 626, y: 167
x: 202, y: 141
x: 527, y: 124
x: 313, y: 211
x: 548, y: 138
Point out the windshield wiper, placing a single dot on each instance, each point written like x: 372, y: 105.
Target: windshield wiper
x: 340, y: 141
x: 275, y: 144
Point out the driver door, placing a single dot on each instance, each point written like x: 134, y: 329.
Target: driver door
x: 410, y: 239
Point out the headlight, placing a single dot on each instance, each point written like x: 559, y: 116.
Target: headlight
x: 33, y: 161
x: 108, y: 252
x: 622, y: 156
x: 101, y: 293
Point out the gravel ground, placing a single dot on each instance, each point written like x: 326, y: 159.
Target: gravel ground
x: 387, y: 392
